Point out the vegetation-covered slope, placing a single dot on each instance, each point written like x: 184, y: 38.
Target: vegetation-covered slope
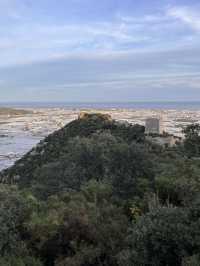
x: 96, y: 193
x: 56, y: 145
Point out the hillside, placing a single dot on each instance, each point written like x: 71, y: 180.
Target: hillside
x: 55, y: 145
x: 97, y: 193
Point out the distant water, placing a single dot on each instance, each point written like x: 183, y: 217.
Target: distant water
x: 105, y: 105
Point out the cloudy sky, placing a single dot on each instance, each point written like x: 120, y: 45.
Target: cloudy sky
x: 91, y: 50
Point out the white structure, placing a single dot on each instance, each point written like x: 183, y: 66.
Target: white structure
x: 153, y: 126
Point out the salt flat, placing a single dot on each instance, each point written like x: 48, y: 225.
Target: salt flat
x: 19, y: 133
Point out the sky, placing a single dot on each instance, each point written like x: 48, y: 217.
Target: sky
x: 98, y: 51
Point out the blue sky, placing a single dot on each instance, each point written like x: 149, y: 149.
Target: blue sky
x: 108, y: 50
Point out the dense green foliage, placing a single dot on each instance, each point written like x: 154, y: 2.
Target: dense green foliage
x: 192, y: 143
x: 96, y: 193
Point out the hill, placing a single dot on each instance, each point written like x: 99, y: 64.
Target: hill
x: 55, y: 145
x: 96, y: 192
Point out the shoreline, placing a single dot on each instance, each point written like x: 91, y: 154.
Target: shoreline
x: 24, y: 131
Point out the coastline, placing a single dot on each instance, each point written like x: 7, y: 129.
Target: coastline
x: 22, y: 132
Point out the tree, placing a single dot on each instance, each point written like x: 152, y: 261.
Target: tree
x: 104, y: 157
x: 14, y: 212
x: 192, y: 140
x: 165, y: 237
x: 79, y: 228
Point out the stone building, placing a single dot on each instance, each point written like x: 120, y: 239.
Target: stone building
x: 153, y: 126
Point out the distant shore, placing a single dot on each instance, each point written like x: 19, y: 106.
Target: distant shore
x: 13, y: 112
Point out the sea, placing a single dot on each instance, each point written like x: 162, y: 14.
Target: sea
x: 176, y: 105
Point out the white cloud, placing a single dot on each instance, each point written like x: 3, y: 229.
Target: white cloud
x: 187, y: 15
x: 146, y: 19
x: 40, y: 41
x: 35, y: 41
